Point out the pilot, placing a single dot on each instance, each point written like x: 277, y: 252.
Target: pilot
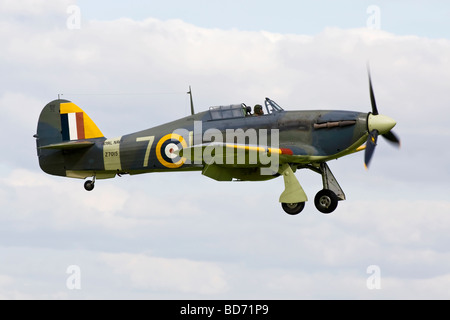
x: 258, y: 111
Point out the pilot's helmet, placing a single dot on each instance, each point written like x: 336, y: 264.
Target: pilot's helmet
x: 258, y: 108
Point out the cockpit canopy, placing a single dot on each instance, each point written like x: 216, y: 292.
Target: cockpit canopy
x: 227, y: 112
x: 272, y: 106
x: 241, y: 110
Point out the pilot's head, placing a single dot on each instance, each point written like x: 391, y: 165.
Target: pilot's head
x: 258, y: 109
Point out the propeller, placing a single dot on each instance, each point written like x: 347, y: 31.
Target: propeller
x: 370, y: 147
x: 377, y: 124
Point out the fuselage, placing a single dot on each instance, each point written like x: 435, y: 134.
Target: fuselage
x: 297, y: 136
x: 310, y: 135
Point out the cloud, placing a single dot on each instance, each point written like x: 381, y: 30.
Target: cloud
x: 151, y: 56
x: 33, y: 7
x: 173, y: 275
x: 29, y: 196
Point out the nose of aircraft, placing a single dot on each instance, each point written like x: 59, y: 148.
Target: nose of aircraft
x: 381, y: 123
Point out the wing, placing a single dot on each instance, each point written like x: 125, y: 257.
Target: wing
x: 232, y: 155
x: 225, y: 161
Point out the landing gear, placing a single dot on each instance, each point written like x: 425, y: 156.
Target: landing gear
x: 89, y: 185
x: 326, y: 201
x: 293, y: 197
x: 293, y: 208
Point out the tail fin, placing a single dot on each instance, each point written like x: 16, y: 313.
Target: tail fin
x: 62, y: 125
x: 61, y: 121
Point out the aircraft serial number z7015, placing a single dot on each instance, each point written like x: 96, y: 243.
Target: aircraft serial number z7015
x: 225, y: 143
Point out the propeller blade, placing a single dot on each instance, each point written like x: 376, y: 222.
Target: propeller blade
x: 372, y: 95
x: 370, y: 147
x: 392, y: 138
x: 376, y: 122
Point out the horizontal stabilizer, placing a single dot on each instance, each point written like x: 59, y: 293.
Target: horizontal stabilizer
x: 68, y: 145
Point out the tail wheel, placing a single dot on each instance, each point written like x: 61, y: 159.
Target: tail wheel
x: 89, y: 185
x: 293, y: 208
x: 326, y: 201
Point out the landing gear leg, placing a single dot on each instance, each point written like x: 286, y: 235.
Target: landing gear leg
x: 326, y: 200
x: 90, y: 184
x: 293, y: 197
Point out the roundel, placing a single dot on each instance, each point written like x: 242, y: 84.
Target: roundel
x: 166, y: 150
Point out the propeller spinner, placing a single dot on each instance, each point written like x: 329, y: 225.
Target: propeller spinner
x: 377, y: 124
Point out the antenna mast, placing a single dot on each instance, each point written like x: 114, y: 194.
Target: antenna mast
x: 192, y: 103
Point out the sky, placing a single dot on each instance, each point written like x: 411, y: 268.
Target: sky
x: 128, y: 65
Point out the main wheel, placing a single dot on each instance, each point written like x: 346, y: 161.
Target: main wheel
x: 326, y: 201
x: 89, y: 185
x: 293, y: 208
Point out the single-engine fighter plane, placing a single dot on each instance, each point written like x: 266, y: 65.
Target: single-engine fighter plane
x: 225, y: 143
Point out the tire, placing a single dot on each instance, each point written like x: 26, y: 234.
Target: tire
x: 89, y: 185
x: 293, y: 208
x: 326, y: 201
